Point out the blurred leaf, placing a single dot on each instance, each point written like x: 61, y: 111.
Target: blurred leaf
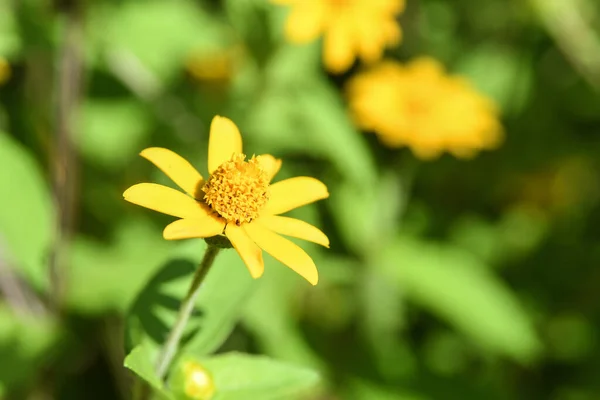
x: 380, y: 202
x: 218, y: 306
x: 140, y: 361
x: 446, y: 353
x: 363, y: 390
x: 571, y: 337
x: 270, y: 316
x: 105, y: 277
x: 518, y: 233
x: 25, y: 342
x: 309, y: 116
x: 457, y: 287
x: 112, y: 131
x: 10, y: 41
x: 478, y: 236
x: 511, y: 83
x: 161, y: 35
x: 26, y: 215
x: 250, y: 19
x: 382, y: 318
x: 242, y: 376
x: 290, y: 65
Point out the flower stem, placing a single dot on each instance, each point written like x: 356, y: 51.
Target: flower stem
x: 187, y: 306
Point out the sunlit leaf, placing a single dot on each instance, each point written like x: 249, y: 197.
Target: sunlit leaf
x: 310, y: 116
x: 10, y: 41
x: 178, y: 28
x: 238, y: 376
x: 141, y: 361
x: 106, y: 276
x: 218, y: 307
x: 26, y: 212
x: 112, y: 131
x: 379, y: 202
x: 269, y: 316
x: 457, y: 287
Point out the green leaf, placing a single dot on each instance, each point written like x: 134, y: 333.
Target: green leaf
x: 239, y: 376
x: 10, y: 41
x: 457, y: 287
x: 358, y: 389
x: 511, y: 83
x: 141, y: 361
x: 161, y: 35
x: 519, y: 232
x: 219, y: 304
x: 380, y: 202
x: 310, y: 116
x: 105, y: 277
x: 270, y: 316
x: 27, y: 214
x: 112, y: 131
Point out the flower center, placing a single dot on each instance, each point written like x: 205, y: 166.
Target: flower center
x: 238, y: 189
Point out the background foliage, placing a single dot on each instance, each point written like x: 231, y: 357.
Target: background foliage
x: 447, y: 279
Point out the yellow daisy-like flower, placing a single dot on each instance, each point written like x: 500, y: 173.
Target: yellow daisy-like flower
x: 350, y: 28
x: 237, y: 200
x: 418, y: 105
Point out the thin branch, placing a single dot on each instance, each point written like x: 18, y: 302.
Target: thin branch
x: 145, y: 85
x: 568, y: 21
x: 19, y: 296
x: 68, y: 87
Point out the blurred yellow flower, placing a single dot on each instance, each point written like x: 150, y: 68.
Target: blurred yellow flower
x: 418, y: 105
x: 237, y: 200
x: 350, y: 28
x: 4, y: 70
x: 217, y: 66
x: 198, y: 383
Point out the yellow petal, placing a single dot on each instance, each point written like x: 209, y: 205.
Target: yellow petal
x: 194, y: 228
x: 250, y: 253
x: 224, y: 141
x: 165, y: 200
x: 338, y: 47
x: 284, y: 251
x: 270, y: 164
x: 293, y: 193
x: 306, y: 21
x: 175, y: 167
x: 369, y: 45
x: 294, y: 228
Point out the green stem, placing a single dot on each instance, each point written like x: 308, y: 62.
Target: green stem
x: 187, y: 307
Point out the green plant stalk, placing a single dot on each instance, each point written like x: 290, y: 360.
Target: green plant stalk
x: 169, y: 349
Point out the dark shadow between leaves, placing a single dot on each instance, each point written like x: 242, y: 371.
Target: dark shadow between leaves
x: 145, y: 320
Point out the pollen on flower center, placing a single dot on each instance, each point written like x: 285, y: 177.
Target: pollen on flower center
x: 237, y: 189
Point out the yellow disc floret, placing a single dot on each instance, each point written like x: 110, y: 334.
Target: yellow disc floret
x: 237, y: 189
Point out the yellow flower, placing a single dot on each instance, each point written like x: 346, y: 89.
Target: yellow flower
x: 418, y: 105
x: 218, y: 66
x: 237, y: 200
x: 350, y: 28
